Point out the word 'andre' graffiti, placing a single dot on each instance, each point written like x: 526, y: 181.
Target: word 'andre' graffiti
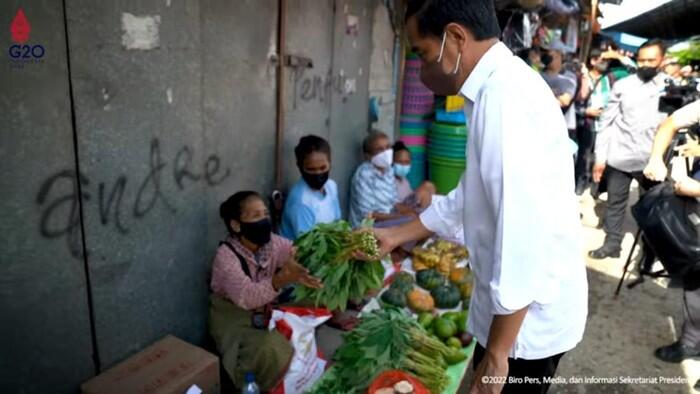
x: 60, y: 215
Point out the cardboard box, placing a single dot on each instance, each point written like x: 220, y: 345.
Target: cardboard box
x: 169, y: 366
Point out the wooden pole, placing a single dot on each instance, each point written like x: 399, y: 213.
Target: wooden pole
x: 279, y: 134
x: 586, y: 48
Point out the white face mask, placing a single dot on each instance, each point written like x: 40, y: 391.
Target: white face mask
x: 383, y: 160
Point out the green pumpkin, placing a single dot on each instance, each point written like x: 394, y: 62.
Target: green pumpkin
x: 403, y: 281
x: 394, y: 297
x: 446, y: 296
x: 429, y: 279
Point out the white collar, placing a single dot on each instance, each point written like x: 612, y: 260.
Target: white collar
x: 483, y: 70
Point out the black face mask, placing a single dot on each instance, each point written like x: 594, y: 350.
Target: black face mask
x: 259, y: 232
x: 646, y: 74
x: 315, y: 181
x: 439, y: 81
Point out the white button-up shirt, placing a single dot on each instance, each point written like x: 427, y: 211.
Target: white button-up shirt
x: 517, y: 204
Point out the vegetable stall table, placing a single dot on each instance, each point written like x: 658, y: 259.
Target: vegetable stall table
x: 422, y: 301
x: 455, y: 372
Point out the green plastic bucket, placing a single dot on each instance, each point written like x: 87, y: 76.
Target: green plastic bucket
x: 445, y: 173
x: 442, y: 145
x: 439, y: 145
x: 448, y: 161
x: 444, y: 130
x: 453, y: 154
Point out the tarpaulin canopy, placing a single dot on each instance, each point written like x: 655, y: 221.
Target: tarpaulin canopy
x: 625, y: 41
x: 676, y: 19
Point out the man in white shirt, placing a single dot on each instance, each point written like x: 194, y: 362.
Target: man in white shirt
x: 516, y: 199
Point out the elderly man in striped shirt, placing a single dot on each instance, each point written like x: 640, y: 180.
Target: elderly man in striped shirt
x: 373, y: 189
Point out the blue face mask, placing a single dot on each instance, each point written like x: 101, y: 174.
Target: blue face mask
x: 402, y: 170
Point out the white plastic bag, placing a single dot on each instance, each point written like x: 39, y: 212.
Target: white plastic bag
x: 299, y: 326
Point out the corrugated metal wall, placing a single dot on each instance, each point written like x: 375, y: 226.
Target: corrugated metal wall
x: 174, y: 105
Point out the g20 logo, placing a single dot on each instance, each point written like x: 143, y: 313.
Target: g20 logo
x: 26, y: 51
x: 21, y: 51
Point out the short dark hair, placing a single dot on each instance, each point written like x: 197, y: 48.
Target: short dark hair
x: 524, y: 54
x: 654, y: 42
x: 232, y: 208
x: 310, y: 144
x: 400, y: 146
x: 373, y: 136
x: 479, y: 16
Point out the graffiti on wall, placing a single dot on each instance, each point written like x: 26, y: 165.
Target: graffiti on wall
x: 310, y: 87
x: 60, y: 196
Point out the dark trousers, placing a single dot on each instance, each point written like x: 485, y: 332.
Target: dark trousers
x: 690, y: 335
x: 519, y: 370
x: 618, y: 194
x: 585, y: 139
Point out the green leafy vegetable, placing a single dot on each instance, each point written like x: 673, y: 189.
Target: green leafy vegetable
x: 387, y: 339
x: 327, y: 251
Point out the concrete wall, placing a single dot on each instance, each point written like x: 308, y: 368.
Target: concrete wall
x: 45, y: 342
x: 174, y: 110
x: 383, y: 73
x: 349, y: 107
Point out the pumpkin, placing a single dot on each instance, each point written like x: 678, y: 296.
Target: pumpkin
x: 429, y: 279
x: 420, y: 301
x: 394, y: 297
x: 460, y: 276
x: 465, y: 289
x: 446, y: 296
x: 403, y: 281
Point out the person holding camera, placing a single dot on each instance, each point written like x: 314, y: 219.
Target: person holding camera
x: 623, y: 145
x: 689, y: 343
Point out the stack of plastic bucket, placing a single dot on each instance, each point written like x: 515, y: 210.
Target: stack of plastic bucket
x: 447, y: 155
x: 416, y: 118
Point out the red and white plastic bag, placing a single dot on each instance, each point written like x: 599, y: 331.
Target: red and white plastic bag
x: 307, y: 365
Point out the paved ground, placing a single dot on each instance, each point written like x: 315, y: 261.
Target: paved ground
x: 622, y: 333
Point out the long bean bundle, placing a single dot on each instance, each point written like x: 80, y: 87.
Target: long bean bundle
x: 327, y: 251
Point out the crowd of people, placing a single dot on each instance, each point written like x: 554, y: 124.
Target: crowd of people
x: 604, y: 115
x: 622, y: 135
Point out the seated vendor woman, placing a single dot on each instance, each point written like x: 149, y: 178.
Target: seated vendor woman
x: 314, y: 198
x: 422, y: 196
x: 250, y: 268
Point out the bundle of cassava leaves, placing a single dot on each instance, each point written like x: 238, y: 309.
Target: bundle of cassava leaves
x: 327, y: 251
x: 385, y: 340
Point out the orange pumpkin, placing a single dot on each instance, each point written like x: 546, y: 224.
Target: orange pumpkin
x: 420, y: 301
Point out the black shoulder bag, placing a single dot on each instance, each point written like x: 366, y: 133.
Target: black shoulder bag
x: 671, y: 227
